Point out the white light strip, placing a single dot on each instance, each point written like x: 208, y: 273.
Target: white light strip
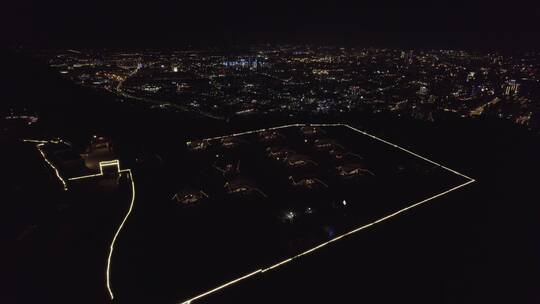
x: 277, y: 264
x: 223, y: 286
x: 470, y: 180
x: 41, y: 143
x: 102, y: 164
x: 93, y: 175
x: 328, y: 242
x: 109, y: 163
x: 38, y: 146
x: 250, y: 132
x: 85, y: 176
x: 338, y: 125
x: 111, y: 248
x: 35, y: 141
x: 405, y: 150
x: 383, y: 218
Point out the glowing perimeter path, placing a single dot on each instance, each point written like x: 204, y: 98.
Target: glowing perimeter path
x: 339, y: 237
x: 103, y: 165
x: 115, y: 164
x: 39, y: 146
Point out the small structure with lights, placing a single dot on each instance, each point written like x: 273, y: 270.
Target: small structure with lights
x: 311, y: 130
x: 311, y: 145
x: 326, y: 144
x: 299, y: 160
x: 277, y: 153
x: 197, y: 145
x: 230, y: 142
x: 189, y: 197
x: 307, y: 182
x: 339, y: 154
x: 353, y: 170
x: 242, y: 187
x: 270, y: 136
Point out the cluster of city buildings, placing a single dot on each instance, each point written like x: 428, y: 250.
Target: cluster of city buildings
x: 301, y: 79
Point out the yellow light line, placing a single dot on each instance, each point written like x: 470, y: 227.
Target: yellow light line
x: 40, y: 143
x: 35, y: 141
x: 363, y: 227
x: 281, y: 263
x: 93, y: 175
x: 408, y: 151
x: 223, y: 286
x: 383, y: 218
x: 338, y: 125
x: 111, y: 248
x: 277, y: 264
x: 38, y: 146
x: 248, y: 132
x: 109, y: 163
x: 84, y: 176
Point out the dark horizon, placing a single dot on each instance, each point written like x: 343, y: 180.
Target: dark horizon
x: 270, y: 152
x: 414, y: 24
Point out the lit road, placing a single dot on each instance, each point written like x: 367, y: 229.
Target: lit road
x: 120, y: 91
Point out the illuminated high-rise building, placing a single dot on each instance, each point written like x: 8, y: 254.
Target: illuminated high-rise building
x: 470, y: 76
x: 411, y: 56
x: 511, y: 88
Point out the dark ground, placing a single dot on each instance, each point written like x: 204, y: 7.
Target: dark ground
x: 476, y: 245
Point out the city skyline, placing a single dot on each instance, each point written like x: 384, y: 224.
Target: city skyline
x: 309, y: 80
x: 182, y: 152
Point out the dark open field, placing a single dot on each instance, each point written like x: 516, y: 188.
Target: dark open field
x: 227, y: 235
x: 475, y: 245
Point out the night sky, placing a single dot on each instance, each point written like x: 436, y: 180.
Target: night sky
x: 443, y: 23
